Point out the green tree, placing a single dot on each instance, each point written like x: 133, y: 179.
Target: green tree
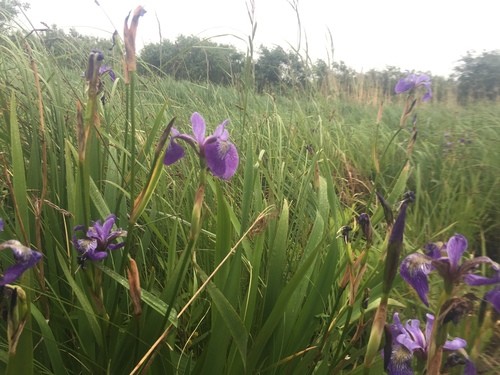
x: 478, y: 77
x: 9, y: 9
x: 270, y: 68
x: 194, y: 59
x: 72, y: 49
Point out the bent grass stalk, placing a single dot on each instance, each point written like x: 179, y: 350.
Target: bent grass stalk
x: 164, y: 335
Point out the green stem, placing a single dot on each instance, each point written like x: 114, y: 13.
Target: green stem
x: 174, y: 283
x: 439, y: 334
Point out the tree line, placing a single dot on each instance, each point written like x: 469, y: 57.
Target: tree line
x: 476, y: 77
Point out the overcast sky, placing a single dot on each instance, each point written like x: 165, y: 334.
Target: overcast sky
x: 424, y: 35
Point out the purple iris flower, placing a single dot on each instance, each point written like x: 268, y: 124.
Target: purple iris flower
x: 409, y: 341
x: 447, y: 261
x: 216, y: 150
x: 106, y: 69
x: 1, y: 225
x: 98, y: 241
x: 24, y: 257
x: 412, y: 82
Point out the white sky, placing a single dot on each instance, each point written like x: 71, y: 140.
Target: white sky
x: 420, y: 35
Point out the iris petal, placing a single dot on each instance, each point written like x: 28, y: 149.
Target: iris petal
x: 24, y: 257
x: 199, y: 127
x: 174, y: 152
x: 222, y: 159
x: 415, y: 269
x: 493, y: 297
x: 455, y: 247
x: 400, y: 362
x: 477, y: 280
x: 403, y: 86
x: 108, y: 225
x: 455, y: 344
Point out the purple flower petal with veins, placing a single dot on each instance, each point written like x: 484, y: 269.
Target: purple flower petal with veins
x: 493, y: 297
x: 415, y: 269
x: 455, y: 247
x: 412, y: 82
x: 106, y: 69
x: 24, y: 257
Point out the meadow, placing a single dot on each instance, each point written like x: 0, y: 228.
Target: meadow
x: 291, y: 265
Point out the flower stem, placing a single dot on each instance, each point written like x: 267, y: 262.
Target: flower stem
x: 438, y: 335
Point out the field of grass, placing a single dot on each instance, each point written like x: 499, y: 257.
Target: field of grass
x: 256, y: 274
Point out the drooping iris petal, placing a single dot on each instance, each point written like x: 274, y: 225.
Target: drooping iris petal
x: 87, y: 248
x: 222, y: 158
x: 174, y: 151
x: 400, y: 362
x: 493, y: 297
x: 106, y: 69
x: 455, y: 344
x: 427, y: 96
x: 199, y: 127
x: 1, y: 225
x: 455, y: 247
x: 415, y: 269
x: 423, y: 79
x: 405, y: 84
x: 24, y: 257
x: 476, y: 280
x: 469, y: 369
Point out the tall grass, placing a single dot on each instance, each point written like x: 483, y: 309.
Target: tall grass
x: 266, y: 285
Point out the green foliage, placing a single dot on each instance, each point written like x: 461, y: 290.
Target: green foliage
x: 479, y: 77
x: 191, y: 58
x: 71, y: 49
x: 9, y: 9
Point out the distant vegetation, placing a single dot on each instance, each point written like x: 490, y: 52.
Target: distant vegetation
x: 476, y: 78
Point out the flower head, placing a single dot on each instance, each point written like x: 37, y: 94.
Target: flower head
x: 412, y: 81
x: 408, y: 341
x: 99, y: 240
x: 106, y: 69
x: 447, y: 261
x: 219, y: 154
x: 1, y: 225
x: 24, y: 257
